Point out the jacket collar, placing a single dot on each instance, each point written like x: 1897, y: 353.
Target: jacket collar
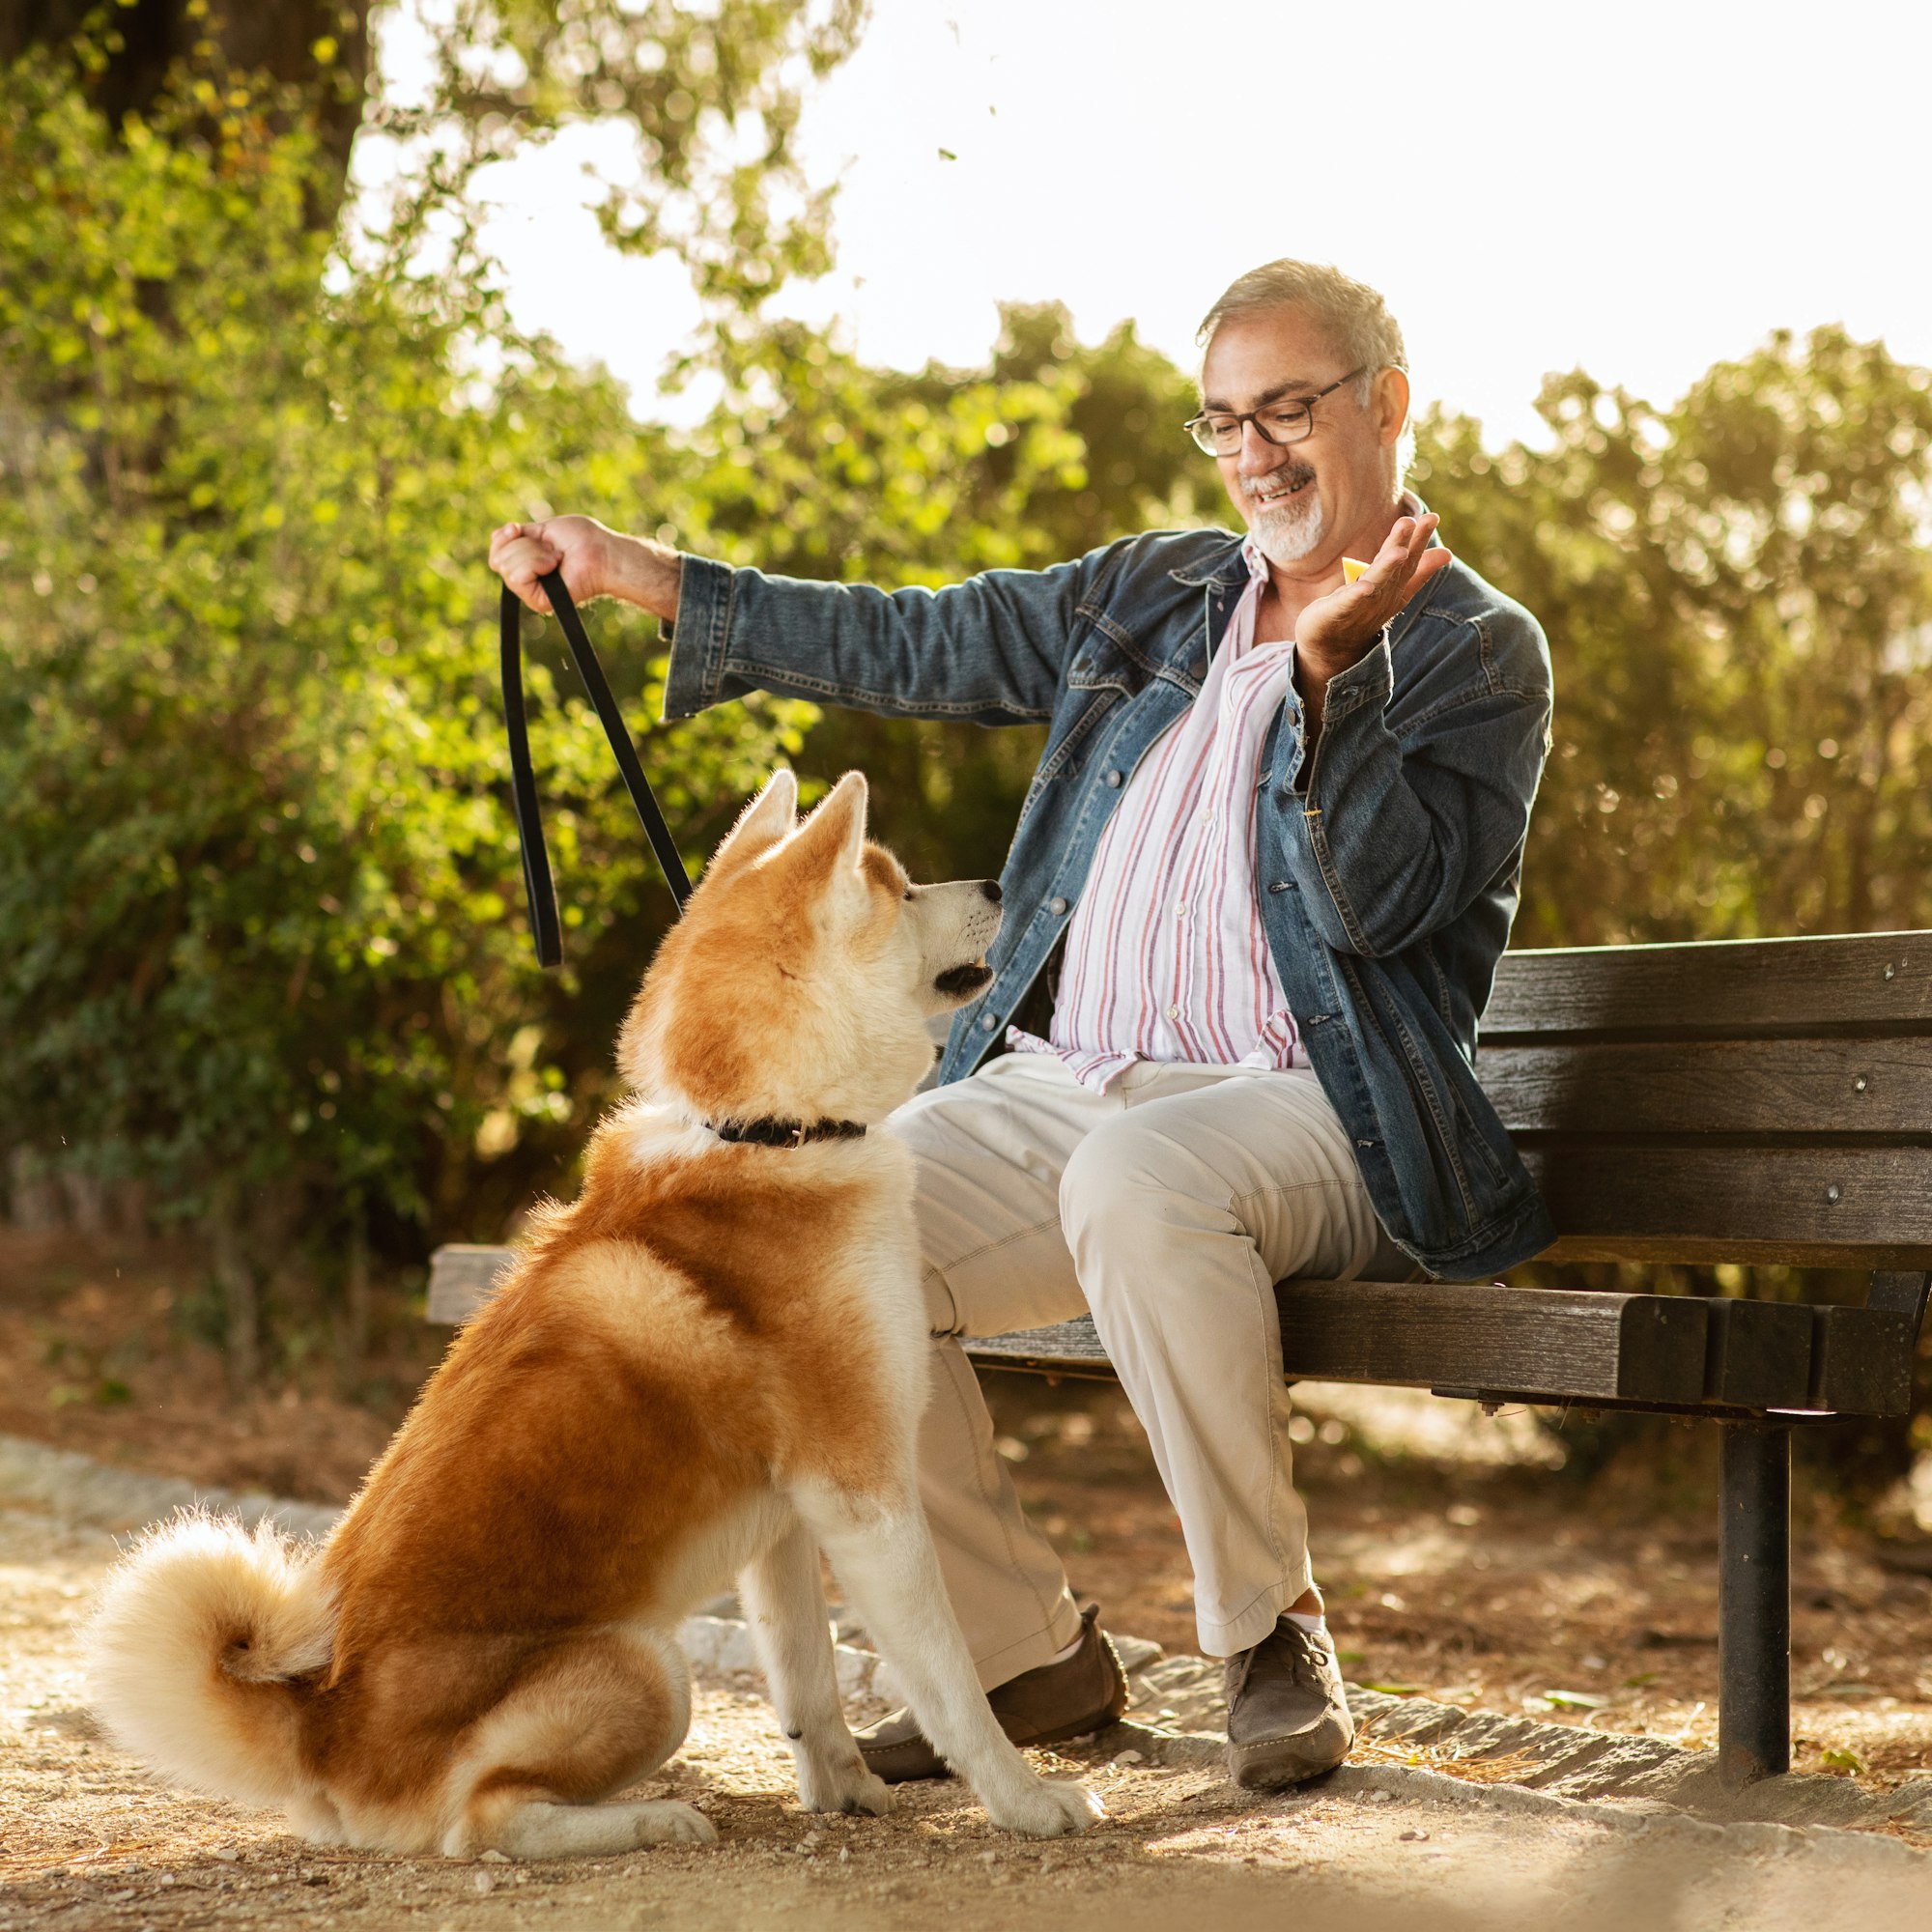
x: 1222, y: 565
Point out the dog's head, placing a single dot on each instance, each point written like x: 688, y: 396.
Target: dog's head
x: 799, y: 982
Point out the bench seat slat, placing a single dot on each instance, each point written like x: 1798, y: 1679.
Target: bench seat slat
x: 1065, y: 1349
x: 461, y: 1276
x: 1760, y: 1353
x: 1815, y: 1087
x: 1568, y: 1345
x: 1862, y: 1360
x: 1717, y: 987
x: 1551, y: 1341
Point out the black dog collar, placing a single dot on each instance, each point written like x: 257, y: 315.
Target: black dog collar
x: 776, y: 1133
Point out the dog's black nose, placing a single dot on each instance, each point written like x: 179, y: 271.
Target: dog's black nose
x: 992, y: 887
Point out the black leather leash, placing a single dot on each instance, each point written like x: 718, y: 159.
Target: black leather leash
x: 538, y: 883
x: 545, y: 926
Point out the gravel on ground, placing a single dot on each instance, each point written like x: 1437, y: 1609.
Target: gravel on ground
x: 88, y: 1840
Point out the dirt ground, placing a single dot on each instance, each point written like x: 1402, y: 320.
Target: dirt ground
x: 1451, y: 1561
x: 88, y: 1841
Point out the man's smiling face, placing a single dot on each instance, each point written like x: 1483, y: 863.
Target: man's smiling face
x: 1304, y: 501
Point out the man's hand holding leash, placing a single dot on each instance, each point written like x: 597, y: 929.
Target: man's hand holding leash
x: 596, y: 561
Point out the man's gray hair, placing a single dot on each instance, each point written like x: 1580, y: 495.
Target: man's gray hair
x: 1355, y: 316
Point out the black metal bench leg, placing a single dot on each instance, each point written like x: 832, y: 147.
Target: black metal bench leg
x: 1754, y: 1604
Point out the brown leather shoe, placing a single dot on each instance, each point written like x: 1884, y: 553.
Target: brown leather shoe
x: 1288, y: 1718
x: 1039, y: 1707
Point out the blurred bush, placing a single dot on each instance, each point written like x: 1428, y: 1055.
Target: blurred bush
x: 261, y: 945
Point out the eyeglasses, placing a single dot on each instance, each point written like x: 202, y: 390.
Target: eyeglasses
x: 1282, y: 423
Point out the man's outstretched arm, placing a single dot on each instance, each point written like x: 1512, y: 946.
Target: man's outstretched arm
x: 988, y: 651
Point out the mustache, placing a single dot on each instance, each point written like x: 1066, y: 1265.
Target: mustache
x: 1293, y: 475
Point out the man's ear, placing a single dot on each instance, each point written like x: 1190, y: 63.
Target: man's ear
x: 833, y: 837
x: 1389, y: 399
x: 769, y: 817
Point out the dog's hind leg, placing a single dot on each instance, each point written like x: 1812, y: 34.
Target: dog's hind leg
x: 580, y: 1723
x: 787, y: 1610
x: 884, y: 1556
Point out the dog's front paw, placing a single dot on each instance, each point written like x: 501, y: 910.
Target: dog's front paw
x: 1051, y: 1808
x: 843, y: 1786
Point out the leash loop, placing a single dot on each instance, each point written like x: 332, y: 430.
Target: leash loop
x: 538, y: 885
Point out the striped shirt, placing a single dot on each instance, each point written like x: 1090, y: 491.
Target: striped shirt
x: 1166, y: 956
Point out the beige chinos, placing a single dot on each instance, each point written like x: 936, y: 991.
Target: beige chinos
x: 1168, y: 1207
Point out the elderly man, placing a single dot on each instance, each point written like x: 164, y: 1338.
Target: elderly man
x: 1263, y: 871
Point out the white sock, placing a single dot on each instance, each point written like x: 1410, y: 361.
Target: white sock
x: 1315, y: 1626
x: 1061, y: 1656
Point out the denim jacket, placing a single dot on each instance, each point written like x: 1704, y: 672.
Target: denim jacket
x: 1388, y: 867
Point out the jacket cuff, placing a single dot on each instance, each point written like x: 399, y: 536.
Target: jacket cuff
x: 706, y: 592
x: 1369, y: 681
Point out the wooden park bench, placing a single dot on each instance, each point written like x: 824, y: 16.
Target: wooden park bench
x: 1754, y: 1102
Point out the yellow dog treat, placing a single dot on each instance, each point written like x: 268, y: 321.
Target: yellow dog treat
x: 1350, y: 569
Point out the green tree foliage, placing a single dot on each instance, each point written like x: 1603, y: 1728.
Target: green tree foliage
x: 129, y: 49
x: 264, y: 942
x: 1738, y: 593
x: 710, y: 96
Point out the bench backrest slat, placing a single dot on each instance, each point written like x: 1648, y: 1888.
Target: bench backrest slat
x: 1868, y: 981
x: 1813, y: 1207
x: 1811, y: 1086
x: 1767, y: 1100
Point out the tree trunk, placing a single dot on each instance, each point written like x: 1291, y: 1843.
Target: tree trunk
x: 34, y: 1205
x: 355, y: 1303
x: 241, y: 1297
x: 278, y: 34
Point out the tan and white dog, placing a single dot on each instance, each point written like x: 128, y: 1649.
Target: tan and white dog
x: 710, y: 1365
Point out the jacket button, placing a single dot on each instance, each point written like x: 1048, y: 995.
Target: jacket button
x: 1056, y: 907
x: 989, y: 1021
x: 1113, y: 781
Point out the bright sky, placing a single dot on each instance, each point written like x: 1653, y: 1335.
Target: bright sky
x: 1639, y: 190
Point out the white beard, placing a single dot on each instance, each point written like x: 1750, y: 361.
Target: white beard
x: 1287, y: 530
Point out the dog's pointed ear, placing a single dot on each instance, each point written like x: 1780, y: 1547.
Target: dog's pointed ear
x: 770, y: 817
x: 834, y: 835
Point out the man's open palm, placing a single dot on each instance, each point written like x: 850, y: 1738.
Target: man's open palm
x: 1335, y: 630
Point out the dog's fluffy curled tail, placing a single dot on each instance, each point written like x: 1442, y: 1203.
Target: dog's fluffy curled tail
x: 194, y: 1649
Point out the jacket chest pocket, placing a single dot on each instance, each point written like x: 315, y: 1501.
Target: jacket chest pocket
x: 1105, y: 657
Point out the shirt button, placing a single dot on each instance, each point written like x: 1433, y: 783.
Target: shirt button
x: 1206, y: 818
x: 1056, y: 907
x: 989, y: 1021
x: 1113, y: 781
x: 1180, y: 911
x: 1173, y: 1012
